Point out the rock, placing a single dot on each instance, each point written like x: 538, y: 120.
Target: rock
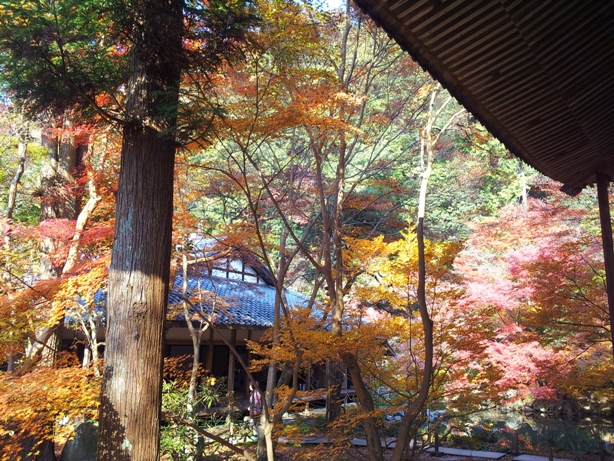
x: 477, y: 430
x: 83, y: 446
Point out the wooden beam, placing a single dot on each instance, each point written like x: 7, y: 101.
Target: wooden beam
x: 608, y: 246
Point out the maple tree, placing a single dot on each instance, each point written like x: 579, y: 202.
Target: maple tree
x: 30, y: 305
x: 548, y: 290
x: 73, y: 240
x: 386, y: 296
x: 60, y: 198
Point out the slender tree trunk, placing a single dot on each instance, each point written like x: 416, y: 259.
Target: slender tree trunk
x: 10, y: 365
x: 335, y: 269
x: 12, y: 198
x: 334, y: 378
x: 129, y: 422
x: 427, y: 155
x: 21, y: 152
x: 367, y: 406
x: 280, y: 279
x: 84, y: 216
x: 416, y: 406
x: 272, y: 370
x: 195, y: 334
x: 87, y: 357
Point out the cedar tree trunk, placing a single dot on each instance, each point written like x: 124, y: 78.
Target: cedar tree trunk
x: 140, y: 265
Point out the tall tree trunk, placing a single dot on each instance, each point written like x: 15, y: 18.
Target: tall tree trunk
x: 138, y: 292
x: 140, y: 265
x: 58, y: 201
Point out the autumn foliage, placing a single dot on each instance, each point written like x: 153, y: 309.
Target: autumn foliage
x: 45, y: 404
x: 304, y: 154
x: 542, y: 274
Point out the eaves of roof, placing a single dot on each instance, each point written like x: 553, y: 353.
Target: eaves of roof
x: 539, y: 75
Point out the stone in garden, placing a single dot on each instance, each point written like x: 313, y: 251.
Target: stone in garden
x: 83, y: 446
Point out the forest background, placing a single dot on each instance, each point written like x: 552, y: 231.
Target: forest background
x: 314, y: 146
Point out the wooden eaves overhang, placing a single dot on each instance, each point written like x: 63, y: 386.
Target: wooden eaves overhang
x: 539, y: 74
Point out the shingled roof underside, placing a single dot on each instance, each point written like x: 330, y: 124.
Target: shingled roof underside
x: 538, y: 74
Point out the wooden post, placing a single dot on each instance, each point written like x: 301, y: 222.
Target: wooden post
x: 209, y: 362
x: 248, y: 358
x: 608, y: 247
x: 231, y: 362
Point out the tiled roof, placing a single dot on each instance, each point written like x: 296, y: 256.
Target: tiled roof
x: 239, y: 304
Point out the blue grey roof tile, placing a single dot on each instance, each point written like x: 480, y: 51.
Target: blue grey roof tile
x: 239, y: 304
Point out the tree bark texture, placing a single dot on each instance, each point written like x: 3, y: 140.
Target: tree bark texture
x: 138, y: 292
x: 140, y: 265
